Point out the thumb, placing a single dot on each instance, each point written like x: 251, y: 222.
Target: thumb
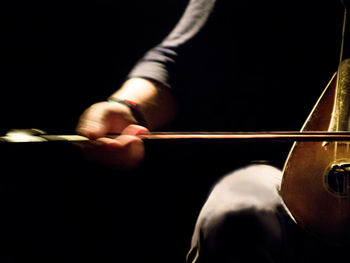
x: 135, y: 130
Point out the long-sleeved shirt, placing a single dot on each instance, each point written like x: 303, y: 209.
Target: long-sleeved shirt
x: 247, y: 65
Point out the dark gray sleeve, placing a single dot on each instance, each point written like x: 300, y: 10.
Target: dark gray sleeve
x: 156, y: 64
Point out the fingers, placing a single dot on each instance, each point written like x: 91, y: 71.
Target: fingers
x: 125, y: 151
x: 122, y: 152
x: 91, y: 123
x: 104, y: 118
x: 91, y: 129
x: 135, y: 130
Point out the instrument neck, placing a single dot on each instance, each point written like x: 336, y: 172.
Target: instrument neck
x: 341, y: 111
x: 340, y: 120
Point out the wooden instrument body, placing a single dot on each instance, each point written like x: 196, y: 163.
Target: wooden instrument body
x: 317, y: 198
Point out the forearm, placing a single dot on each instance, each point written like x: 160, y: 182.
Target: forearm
x: 155, y: 102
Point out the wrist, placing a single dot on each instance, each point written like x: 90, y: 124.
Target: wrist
x: 134, y: 108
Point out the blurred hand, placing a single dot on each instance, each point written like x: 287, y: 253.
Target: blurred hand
x: 99, y: 123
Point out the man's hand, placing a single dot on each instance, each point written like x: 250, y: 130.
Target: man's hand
x: 99, y: 122
x: 103, y: 119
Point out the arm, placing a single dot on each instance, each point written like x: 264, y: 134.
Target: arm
x: 126, y: 151
x: 159, y: 62
x: 149, y: 87
x: 155, y: 104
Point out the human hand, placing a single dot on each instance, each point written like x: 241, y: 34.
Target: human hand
x: 99, y: 123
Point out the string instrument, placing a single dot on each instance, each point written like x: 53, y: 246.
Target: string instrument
x: 316, y: 176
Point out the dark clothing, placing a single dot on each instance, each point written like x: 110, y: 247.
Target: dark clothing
x: 234, y: 64
x: 248, y: 66
x: 158, y: 62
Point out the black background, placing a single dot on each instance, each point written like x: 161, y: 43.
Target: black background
x: 59, y: 57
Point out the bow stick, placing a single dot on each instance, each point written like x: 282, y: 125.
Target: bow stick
x: 287, y: 136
